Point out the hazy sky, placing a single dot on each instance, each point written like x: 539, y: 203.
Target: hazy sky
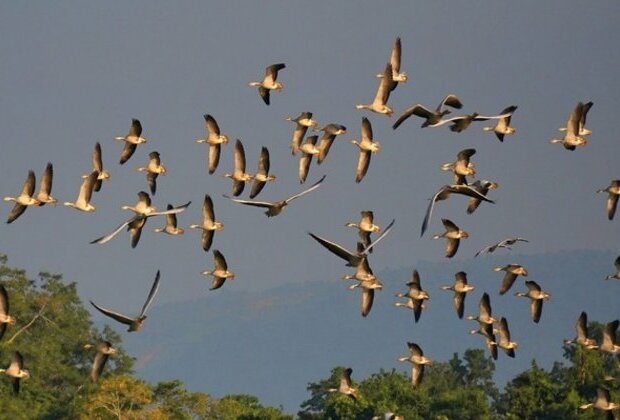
x: 74, y: 73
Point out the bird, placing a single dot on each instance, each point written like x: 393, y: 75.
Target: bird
x: 453, y: 234
x: 368, y: 287
x: 330, y: 131
x: 616, y: 275
x: 602, y: 402
x: 583, y: 131
x: 482, y: 186
x: 484, y: 311
x: 308, y: 149
x: 395, y: 55
x: 608, y: 344
x: 5, y: 318
x: 104, y: 350
x: 24, y: 199
x: 613, y: 192
x: 262, y: 174
x: 239, y: 176
x: 215, y: 140
x: 171, y: 224
x: 269, y: 82
x: 536, y: 296
x: 572, y: 138
x: 143, y: 207
x: 366, y: 146
x: 363, y: 272
x: 302, y: 122
x: 220, y: 273
x: 512, y: 272
x: 504, y: 341
x: 365, y: 227
x: 460, y: 289
x: 416, y: 294
x: 275, y: 207
x: 132, y: 139
x: 504, y: 243
x: 82, y: 202
x: 345, y: 387
x: 444, y: 193
x: 209, y: 224
x: 488, y: 332
x: 379, y: 104
x: 462, y: 122
x: 581, y: 328
x: 137, y: 323
x: 45, y: 187
x: 153, y: 169
x: 462, y: 167
x: 503, y: 128
x: 97, y: 161
x: 431, y: 118
x: 16, y: 370
x: 418, y: 360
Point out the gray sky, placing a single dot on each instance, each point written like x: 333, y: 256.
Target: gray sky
x: 73, y: 74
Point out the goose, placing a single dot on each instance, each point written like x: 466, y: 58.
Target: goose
x: 308, y: 149
x: 462, y: 167
x: 616, y: 275
x: 45, y: 187
x: 209, y: 224
x: 536, y: 296
x: 608, y: 344
x: 24, y: 199
x: 137, y: 323
x: 462, y: 122
x: 414, y: 305
x: 302, y: 122
x: 505, y: 243
x: 5, y: 318
x: 132, y: 139
x: 269, y: 82
x: 368, y: 287
x: 444, y: 193
x: 82, y: 202
x: 482, y: 186
x: 353, y: 259
x: 488, y: 332
x: 512, y: 272
x: 171, y: 224
x: 239, y: 177
x: 330, y: 131
x: 104, y: 350
x: 214, y: 140
x: 275, y: 207
x: 397, y: 76
x: 453, y: 234
x: 581, y: 328
x: 97, y: 161
x: 363, y: 272
x: 415, y: 294
x: 460, y: 289
x: 613, y: 192
x: 153, y: 169
x: 503, y: 128
x: 602, y: 402
x: 418, y: 360
x: 16, y: 370
x: 431, y: 118
x: 366, y: 146
x: 365, y: 227
x: 220, y: 273
x: 346, y: 387
x: 379, y: 104
x: 143, y: 207
x: 504, y: 341
x: 262, y: 174
x: 572, y: 139
x: 484, y: 312
x: 583, y: 131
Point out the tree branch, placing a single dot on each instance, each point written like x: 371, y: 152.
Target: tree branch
x: 25, y: 327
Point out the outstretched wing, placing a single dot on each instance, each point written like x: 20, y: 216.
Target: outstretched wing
x: 151, y: 296
x: 123, y: 319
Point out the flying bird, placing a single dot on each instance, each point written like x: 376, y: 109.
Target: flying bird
x: 462, y: 122
x: 366, y: 146
x: 5, y: 318
x: 82, y: 202
x: 97, y: 163
x: 153, y: 169
x: 269, y: 82
x: 330, y: 131
x: 504, y: 342
x: 616, y: 275
x: 132, y: 139
x: 104, y: 350
x: 418, y: 360
x: 302, y: 122
x: 583, y: 131
x: 45, y: 187
x: 308, y: 149
x: 395, y: 55
x: 16, y: 371
x: 572, y: 137
x: 368, y: 286
x: 502, y: 127
x: 345, y: 387
x: 512, y: 272
x: 220, y: 273
x: 536, y: 296
x: 431, y: 118
x: 581, y: 328
x: 215, y: 140
x: 613, y: 192
x: 209, y: 224
x: 483, y: 187
x: 608, y: 344
x: 365, y: 227
x: 453, y: 235
x: 460, y: 289
x: 379, y: 104
x: 462, y: 167
x: 505, y: 243
x: 239, y: 177
x: 24, y: 199
x: 602, y: 402
x: 415, y: 294
x: 170, y: 227
x: 262, y: 174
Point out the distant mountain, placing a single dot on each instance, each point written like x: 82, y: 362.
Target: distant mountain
x: 271, y: 344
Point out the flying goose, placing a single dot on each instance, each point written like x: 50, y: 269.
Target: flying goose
x: 363, y: 272
x: 82, y: 202
x: 505, y: 243
x: 414, y: 305
x: 416, y: 294
x: 602, y: 402
x: 143, y: 207
x: 330, y: 131
x: 397, y: 76
x: 102, y: 174
x: 308, y: 149
x: 462, y: 167
x: 418, y: 360
x: 503, y: 128
x: 24, y: 199
x: 488, y: 332
x: 269, y: 82
x: 345, y: 387
x: 153, y: 169
x: 379, y: 104
x: 431, y: 118
x: 135, y: 324
x: 572, y: 139
x: 536, y: 296
x: 444, y: 193
x: 220, y: 273
x: 460, y: 289
x: 483, y: 187
x: 104, y: 350
x: 262, y: 174
x: 583, y: 131
x: 366, y: 146
x: 462, y: 122
x: 5, y: 318
x: 484, y: 311
x: 613, y: 192
x: 365, y: 227
x: 512, y: 272
x: 45, y: 187
x: 276, y: 207
x: 239, y: 177
x: 581, y: 328
x: 214, y: 140
x: 616, y: 275
x: 608, y: 344
x: 171, y: 224
x: 16, y: 370
x: 453, y: 234
x: 368, y: 287
x: 132, y: 139
x: 504, y: 341
x: 209, y: 224
x: 302, y: 122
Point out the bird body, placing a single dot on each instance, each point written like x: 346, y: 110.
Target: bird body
x: 215, y: 140
x: 460, y: 289
x: 572, y: 137
x: 131, y: 139
x: 82, y: 202
x: 379, y: 104
x: 209, y: 224
x: 613, y: 192
x: 269, y: 82
x: 345, y: 387
x: 24, y: 199
x: 262, y: 174
x: 512, y: 272
x: 366, y: 146
x: 302, y: 122
x: 239, y: 177
x: 581, y: 328
x: 153, y: 169
x: 536, y: 296
x: 502, y: 127
x: 418, y: 360
x: 453, y: 235
x: 220, y: 273
x: 16, y: 371
x: 330, y: 131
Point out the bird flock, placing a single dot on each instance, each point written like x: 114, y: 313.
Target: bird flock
x: 495, y: 331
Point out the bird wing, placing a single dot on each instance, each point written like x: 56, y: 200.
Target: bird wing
x: 264, y: 94
x: 18, y: 210
x: 304, y: 166
x: 123, y: 319
x: 507, y: 112
x: 86, y: 189
x: 581, y: 326
x: 207, y: 239
x: 484, y: 306
x: 4, y: 302
x: 239, y: 157
x: 584, y: 113
x: 451, y: 101
x: 536, y: 309
x: 612, y: 204
x: 459, y: 303
x: 417, y: 373
x: 46, y: 180
x: 98, y: 365
x: 208, y: 214
x: 220, y: 261
x: 504, y: 332
x: 335, y: 248
x: 217, y: 282
x: 366, y: 130
x: 532, y: 286
x: 574, y: 118
x: 96, y: 158
x: 468, y: 191
x: 154, y: 158
x: 29, y: 184
x: 311, y: 188
x: 298, y: 136
x: 211, y: 125
x: 264, y: 204
x: 418, y: 110
x: 414, y: 349
x: 136, y: 128
x: 449, y: 225
x: 617, y: 262
x: 237, y: 187
x: 171, y: 218
x: 135, y: 230
x: 465, y: 154
x: 385, y: 86
x: 376, y: 241
x: 609, y: 334
x: 395, y: 56
x: 507, y: 282
x: 151, y: 296
x: 271, y: 72
x: 109, y: 236
x: 368, y: 296
x: 417, y: 309
x: 460, y: 279
x: 151, y: 179
x: 127, y: 152
x: 214, y: 157
x: 324, y: 145
x: 429, y: 211
x: 263, y: 161
x: 363, y: 162
x: 452, y: 247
